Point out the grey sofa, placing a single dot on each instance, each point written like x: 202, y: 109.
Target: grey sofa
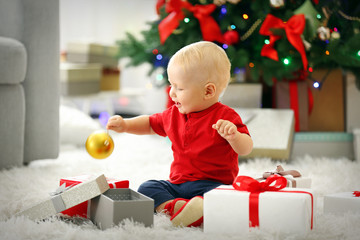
x: 29, y: 81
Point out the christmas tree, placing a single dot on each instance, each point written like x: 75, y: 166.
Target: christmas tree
x: 271, y: 39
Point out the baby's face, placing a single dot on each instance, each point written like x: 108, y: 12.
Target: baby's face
x: 187, y: 91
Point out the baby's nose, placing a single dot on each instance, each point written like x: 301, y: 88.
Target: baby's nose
x: 172, y: 92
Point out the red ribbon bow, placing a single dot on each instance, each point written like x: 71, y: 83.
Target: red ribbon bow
x: 249, y: 184
x: 209, y: 28
x: 245, y: 183
x: 356, y: 193
x: 272, y: 183
x: 159, y: 4
x: 294, y: 27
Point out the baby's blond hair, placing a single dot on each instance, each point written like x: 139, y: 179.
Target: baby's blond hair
x: 206, y: 57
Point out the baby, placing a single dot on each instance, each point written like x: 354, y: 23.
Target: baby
x: 206, y: 135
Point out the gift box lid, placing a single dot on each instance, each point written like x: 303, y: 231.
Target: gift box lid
x: 64, y: 198
x: 272, y: 138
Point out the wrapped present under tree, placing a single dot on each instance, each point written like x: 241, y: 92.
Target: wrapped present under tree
x: 328, y: 112
x: 294, y: 95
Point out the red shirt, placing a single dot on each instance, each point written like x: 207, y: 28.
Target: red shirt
x: 200, y: 153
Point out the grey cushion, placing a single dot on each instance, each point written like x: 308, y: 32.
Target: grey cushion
x: 29, y: 81
x: 12, y: 61
x: 12, y: 112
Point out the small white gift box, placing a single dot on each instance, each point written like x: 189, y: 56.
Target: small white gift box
x: 294, y: 182
x: 288, y: 210
x: 298, y: 182
x: 340, y: 203
x: 293, y: 177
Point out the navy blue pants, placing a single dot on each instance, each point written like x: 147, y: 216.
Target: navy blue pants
x: 162, y: 191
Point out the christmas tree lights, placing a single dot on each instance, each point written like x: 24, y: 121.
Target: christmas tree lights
x: 279, y: 39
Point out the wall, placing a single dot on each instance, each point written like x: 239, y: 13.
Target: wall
x: 106, y: 21
x: 103, y: 21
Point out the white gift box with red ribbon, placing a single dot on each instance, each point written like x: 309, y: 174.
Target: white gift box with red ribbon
x: 341, y: 203
x: 288, y: 210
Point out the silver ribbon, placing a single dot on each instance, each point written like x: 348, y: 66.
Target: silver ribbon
x: 56, y: 198
x: 58, y: 203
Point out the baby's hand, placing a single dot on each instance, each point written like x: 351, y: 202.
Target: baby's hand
x: 225, y: 128
x: 116, y: 123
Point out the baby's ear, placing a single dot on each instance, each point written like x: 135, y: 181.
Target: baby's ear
x: 210, y: 90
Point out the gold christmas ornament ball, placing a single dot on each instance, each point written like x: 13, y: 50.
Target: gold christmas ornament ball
x: 99, y: 145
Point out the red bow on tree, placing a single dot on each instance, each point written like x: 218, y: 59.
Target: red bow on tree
x: 294, y: 27
x: 209, y: 28
x: 159, y: 4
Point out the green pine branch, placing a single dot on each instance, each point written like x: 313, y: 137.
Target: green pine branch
x: 343, y: 51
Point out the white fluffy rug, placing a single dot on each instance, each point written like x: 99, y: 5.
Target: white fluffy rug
x: 139, y: 158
